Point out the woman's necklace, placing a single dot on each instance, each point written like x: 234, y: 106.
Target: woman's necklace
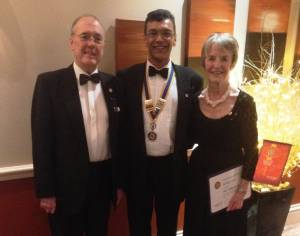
x: 214, y: 103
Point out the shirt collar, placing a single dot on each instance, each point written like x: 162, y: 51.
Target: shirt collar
x: 79, y: 71
x: 168, y: 65
x: 148, y: 63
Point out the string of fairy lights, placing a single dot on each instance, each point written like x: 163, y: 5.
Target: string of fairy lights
x: 277, y: 100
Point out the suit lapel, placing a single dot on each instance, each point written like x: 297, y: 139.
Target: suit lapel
x: 182, y: 90
x: 137, y: 92
x: 71, y: 99
x: 109, y: 97
x: 107, y: 91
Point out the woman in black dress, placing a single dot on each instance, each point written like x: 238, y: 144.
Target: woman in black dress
x: 224, y: 127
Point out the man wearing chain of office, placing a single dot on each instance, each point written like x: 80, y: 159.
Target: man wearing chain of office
x: 157, y: 101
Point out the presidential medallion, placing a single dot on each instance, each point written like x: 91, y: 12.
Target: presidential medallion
x: 152, y: 136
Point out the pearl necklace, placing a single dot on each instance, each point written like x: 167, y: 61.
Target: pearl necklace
x: 214, y: 103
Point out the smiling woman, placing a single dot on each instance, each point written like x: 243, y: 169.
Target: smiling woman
x: 270, y: 23
x: 223, y: 124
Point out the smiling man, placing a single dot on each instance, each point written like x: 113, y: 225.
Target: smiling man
x: 157, y: 99
x: 75, y: 114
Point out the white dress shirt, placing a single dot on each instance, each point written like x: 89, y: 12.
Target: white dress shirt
x: 95, y: 117
x: 166, y: 121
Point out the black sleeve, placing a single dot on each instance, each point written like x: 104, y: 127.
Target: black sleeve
x: 122, y: 155
x: 42, y: 140
x: 249, y: 136
x: 192, y: 130
x: 197, y: 83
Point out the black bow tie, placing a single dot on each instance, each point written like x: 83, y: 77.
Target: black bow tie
x: 163, y: 72
x: 95, y: 78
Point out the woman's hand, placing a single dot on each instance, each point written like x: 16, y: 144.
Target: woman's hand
x: 237, y: 200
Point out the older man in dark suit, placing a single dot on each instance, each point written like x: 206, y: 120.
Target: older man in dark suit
x: 75, y: 115
x: 157, y: 99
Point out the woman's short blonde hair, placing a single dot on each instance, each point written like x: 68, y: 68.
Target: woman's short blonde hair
x: 224, y: 40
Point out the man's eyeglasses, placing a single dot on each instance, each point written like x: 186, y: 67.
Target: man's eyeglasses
x: 85, y: 37
x: 153, y: 34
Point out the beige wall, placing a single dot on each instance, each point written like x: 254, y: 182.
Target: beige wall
x: 34, y: 39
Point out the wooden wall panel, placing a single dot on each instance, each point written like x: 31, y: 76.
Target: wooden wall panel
x: 297, y: 53
x: 130, y: 44
x: 204, y: 18
x: 269, y: 16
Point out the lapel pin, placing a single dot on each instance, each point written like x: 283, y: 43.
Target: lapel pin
x: 186, y: 95
x: 110, y: 90
x: 117, y: 109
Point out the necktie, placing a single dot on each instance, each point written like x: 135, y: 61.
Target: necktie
x: 95, y: 78
x: 163, y: 72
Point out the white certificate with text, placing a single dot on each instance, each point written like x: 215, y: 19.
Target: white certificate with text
x: 223, y: 186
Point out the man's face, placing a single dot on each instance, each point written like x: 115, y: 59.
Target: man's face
x: 160, y: 38
x: 87, y: 43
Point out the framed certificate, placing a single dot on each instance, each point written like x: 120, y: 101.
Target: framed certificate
x: 271, y: 162
x: 223, y: 186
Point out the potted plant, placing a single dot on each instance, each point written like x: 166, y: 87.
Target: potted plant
x: 277, y: 98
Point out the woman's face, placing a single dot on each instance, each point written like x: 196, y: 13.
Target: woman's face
x: 217, y: 63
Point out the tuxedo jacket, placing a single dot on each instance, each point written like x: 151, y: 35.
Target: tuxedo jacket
x: 132, y: 131
x: 60, y: 152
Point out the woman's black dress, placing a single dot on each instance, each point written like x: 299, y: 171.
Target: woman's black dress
x: 223, y: 144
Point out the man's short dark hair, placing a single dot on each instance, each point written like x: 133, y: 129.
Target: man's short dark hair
x: 159, y: 15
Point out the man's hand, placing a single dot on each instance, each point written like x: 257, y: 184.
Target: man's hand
x: 119, y: 196
x: 48, y: 204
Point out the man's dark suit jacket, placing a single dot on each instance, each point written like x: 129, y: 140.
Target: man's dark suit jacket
x: 60, y: 152
x: 133, y: 135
